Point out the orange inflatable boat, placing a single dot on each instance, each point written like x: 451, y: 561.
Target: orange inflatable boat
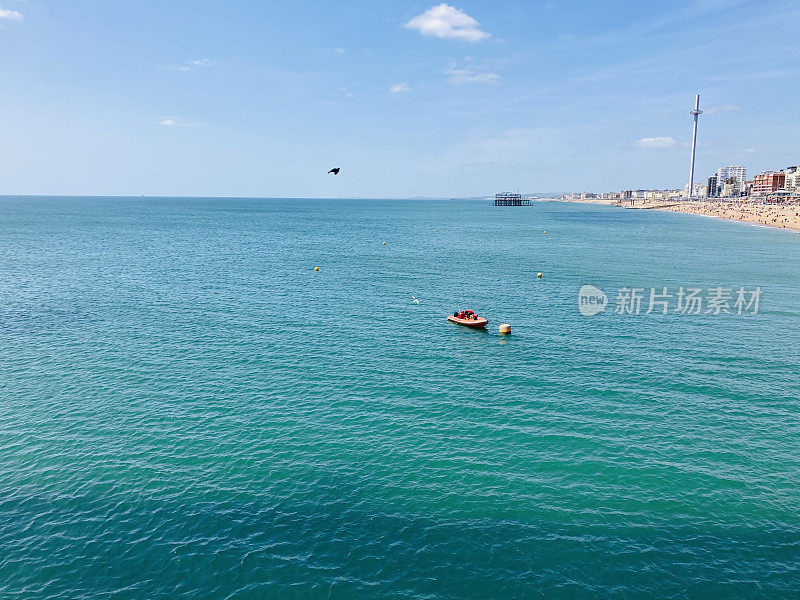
x: 468, y: 318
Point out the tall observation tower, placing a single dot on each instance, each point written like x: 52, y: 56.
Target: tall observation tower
x: 695, y: 113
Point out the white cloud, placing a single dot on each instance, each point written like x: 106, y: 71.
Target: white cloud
x: 200, y: 63
x: 178, y: 122
x: 722, y: 108
x: 656, y: 142
x: 445, y: 21
x: 399, y: 87
x: 339, y: 50
x: 750, y: 150
x: 11, y: 15
x: 470, y: 74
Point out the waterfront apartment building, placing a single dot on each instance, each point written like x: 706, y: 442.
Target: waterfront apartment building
x: 768, y: 183
x: 711, y: 187
x: 738, y: 172
x: 658, y: 195
x: 698, y: 190
x: 730, y: 189
x: 792, y: 183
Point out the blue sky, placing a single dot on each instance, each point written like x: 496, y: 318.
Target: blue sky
x: 469, y: 98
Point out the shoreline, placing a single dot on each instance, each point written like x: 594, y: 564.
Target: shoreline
x: 776, y: 216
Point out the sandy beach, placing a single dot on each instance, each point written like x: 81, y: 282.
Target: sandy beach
x: 782, y: 216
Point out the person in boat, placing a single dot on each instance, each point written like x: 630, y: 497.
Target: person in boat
x: 466, y: 315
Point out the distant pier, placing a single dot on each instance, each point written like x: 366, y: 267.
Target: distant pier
x: 509, y: 199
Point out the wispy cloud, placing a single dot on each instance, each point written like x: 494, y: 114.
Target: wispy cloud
x: 656, y: 142
x: 399, y: 87
x: 722, y: 108
x: 11, y: 15
x: 340, y: 51
x: 192, y: 65
x: 470, y: 74
x: 445, y: 21
x: 178, y: 122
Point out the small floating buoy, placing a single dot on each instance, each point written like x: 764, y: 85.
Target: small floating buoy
x: 384, y: 243
x: 539, y: 275
x: 544, y: 233
x: 505, y: 328
x: 316, y: 268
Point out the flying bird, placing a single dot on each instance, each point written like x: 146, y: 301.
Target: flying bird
x: 335, y: 171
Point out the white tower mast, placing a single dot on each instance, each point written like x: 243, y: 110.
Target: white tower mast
x: 695, y: 113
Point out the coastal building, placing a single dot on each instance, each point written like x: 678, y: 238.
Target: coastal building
x: 675, y: 195
x: 792, y: 183
x: 768, y: 182
x: 657, y: 195
x: 738, y: 172
x: 711, y: 187
x: 730, y: 189
x: 631, y: 196
x: 698, y: 190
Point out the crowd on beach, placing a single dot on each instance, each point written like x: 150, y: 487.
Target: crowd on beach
x: 785, y: 216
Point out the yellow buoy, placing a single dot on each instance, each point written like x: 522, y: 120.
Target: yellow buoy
x: 544, y: 233
x: 316, y: 268
x: 505, y: 328
x: 539, y: 275
x: 384, y: 243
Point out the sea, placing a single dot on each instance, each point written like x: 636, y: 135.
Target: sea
x: 189, y: 409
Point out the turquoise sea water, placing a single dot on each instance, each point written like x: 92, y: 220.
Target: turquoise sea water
x: 189, y: 410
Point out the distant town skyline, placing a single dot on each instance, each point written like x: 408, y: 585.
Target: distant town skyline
x: 436, y: 99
